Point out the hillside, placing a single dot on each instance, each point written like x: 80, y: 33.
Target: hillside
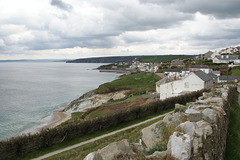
x: 146, y: 59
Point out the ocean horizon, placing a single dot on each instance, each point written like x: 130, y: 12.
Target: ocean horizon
x: 31, y: 91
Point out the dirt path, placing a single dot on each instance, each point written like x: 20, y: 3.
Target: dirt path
x: 97, y: 138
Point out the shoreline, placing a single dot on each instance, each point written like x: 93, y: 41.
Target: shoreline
x: 58, y: 117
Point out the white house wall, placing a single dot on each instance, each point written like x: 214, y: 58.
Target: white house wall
x: 174, y: 88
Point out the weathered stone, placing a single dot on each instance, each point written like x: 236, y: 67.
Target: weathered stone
x: 193, y: 115
x: 157, y: 155
x: 210, y: 115
x: 93, y: 156
x: 180, y: 146
x: 180, y: 108
x: 152, y: 134
x: 203, y: 128
x: 108, y: 152
x: 187, y: 127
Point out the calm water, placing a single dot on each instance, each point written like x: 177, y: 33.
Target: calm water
x: 30, y: 92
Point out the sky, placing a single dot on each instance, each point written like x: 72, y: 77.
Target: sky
x: 70, y: 29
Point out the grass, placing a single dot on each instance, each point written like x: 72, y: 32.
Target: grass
x: 139, y: 81
x: 75, y: 117
x: 91, y: 147
x: 233, y: 136
x: 99, y: 113
x: 163, y: 58
x: 81, y: 152
x: 235, y: 72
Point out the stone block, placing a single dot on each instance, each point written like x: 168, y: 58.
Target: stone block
x: 193, y: 115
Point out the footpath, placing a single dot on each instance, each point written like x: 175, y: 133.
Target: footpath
x: 97, y: 138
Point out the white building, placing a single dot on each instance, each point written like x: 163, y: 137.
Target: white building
x: 203, y: 68
x: 225, y: 58
x: 193, y: 82
x: 173, y: 72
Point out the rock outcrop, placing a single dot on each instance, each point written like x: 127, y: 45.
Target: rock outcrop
x: 196, y: 131
x: 92, y: 100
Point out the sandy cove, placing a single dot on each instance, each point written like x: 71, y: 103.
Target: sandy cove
x: 58, y: 117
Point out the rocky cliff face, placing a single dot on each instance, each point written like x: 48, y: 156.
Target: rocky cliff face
x: 91, y: 100
x: 195, y: 131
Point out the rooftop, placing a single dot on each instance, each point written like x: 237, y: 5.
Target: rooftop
x: 200, y: 66
x: 203, y: 75
x: 227, y: 57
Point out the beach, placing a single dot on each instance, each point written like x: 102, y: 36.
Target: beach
x: 58, y: 117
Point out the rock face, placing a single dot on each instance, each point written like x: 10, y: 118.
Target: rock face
x: 113, y: 149
x: 196, y: 131
x: 91, y: 100
x: 180, y: 145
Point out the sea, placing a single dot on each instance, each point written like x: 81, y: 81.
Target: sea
x: 31, y: 91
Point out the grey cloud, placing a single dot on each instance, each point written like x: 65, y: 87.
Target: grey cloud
x: 62, y: 5
x: 218, y: 8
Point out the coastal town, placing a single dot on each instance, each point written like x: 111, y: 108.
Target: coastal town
x: 186, y: 75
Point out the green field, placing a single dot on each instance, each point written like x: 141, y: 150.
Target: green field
x: 163, y: 58
x: 138, y: 81
x: 235, y: 71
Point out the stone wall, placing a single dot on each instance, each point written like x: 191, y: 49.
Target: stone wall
x: 196, y: 131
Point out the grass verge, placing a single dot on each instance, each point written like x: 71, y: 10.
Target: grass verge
x: 132, y: 135
x: 139, y: 81
x: 233, y: 136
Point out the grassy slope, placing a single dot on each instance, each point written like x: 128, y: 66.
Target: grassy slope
x: 233, y: 137
x: 139, y: 81
x: 166, y: 58
x: 235, y: 72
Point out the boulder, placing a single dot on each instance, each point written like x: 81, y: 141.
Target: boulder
x: 187, y: 127
x: 180, y: 146
x: 152, y: 134
x: 210, y: 115
x: 108, y: 152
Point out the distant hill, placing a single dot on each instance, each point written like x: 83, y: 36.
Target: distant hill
x: 103, y: 59
x: 35, y: 60
x: 152, y: 58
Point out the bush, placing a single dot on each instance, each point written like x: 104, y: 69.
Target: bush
x: 22, y: 145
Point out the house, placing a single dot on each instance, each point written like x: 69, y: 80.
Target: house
x: 207, y: 55
x: 228, y: 79
x: 173, y: 72
x: 193, y: 82
x: 203, y: 68
x: 225, y: 58
x: 158, y: 83
x: 229, y: 50
x: 177, y: 63
x: 217, y: 73
x: 184, y: 72
x: 215, y: 54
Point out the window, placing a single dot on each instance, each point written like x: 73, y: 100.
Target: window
x: 186, y: 84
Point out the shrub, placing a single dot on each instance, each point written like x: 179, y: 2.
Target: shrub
x: 21, y: 145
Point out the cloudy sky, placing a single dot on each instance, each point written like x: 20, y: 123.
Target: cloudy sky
x: 68, y: 29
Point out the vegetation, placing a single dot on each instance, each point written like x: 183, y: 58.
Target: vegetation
x: 22, y: 145
x: 132, y: 135
x: 163, y: 58
x: 117, y: 59
x: 138, y: 81
x: 233, y: 136
x: 234, y: 71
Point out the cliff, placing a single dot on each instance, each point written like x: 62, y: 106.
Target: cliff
x: 195, y: 131
x: 91, y: 99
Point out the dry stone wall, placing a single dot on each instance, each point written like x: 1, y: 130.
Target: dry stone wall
x: 196, y: 131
